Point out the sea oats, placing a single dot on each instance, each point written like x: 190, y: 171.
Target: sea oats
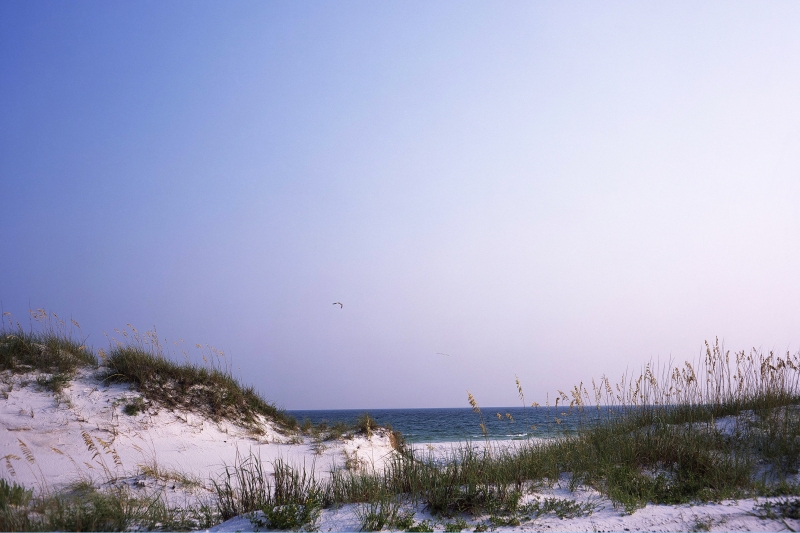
x: 7, y: 458
x: 26, y: 452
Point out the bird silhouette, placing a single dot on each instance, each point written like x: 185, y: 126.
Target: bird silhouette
x: 339, y: 304
x: 440, y: 353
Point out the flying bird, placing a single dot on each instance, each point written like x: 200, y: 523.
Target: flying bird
x: 339, y: 304
x: 440, y: 353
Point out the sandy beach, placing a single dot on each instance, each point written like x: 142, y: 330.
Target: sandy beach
x: 51, y: 442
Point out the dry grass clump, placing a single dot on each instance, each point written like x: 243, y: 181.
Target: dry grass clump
x: 720, y: 384
x: 365, y: 425
x: 49, y: 346
x: 212, y: 391
x: 396, y: 440
x: 324, y: 432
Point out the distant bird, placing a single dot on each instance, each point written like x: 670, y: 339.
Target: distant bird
x: 339, y: 304
x: 440, y: 353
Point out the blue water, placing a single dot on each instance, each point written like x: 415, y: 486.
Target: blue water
x: 461, y: 424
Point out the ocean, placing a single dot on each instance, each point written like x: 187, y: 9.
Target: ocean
x: 462, y: 424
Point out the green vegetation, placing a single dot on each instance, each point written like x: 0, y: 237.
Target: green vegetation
x: 459, y: 524
x: 728, y: 427
x: 134, y: 407
x: 365, y: 425
x: 423, y: 526
x: 323, y: 432
x: 561, y: 507
x: 294, y: 502
x: 212, y: 391
x: 51, y: 348
x: 786, y: 508
x: 84, y: 508
x: 383, y: 512
x: 13, y: 494
x: 659, y: 442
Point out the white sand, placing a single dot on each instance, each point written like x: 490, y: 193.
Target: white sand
x: 723, y: 516
x: 170, y: 441
x: 43, y: 445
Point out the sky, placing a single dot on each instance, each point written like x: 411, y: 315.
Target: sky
x: 548, y: 190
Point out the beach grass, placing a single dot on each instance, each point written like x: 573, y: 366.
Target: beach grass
x: 211, y: 390
x: 365, y: 424
x: 84, y: 507
x: 384, y: 512
x: 726, y: 426
x: 92, y: 503
x: 53, y: 348
x: 657, y: 441
x: 292, y: 500
x: 50, y: 346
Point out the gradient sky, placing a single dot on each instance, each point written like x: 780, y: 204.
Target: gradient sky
x: 555, y: 190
